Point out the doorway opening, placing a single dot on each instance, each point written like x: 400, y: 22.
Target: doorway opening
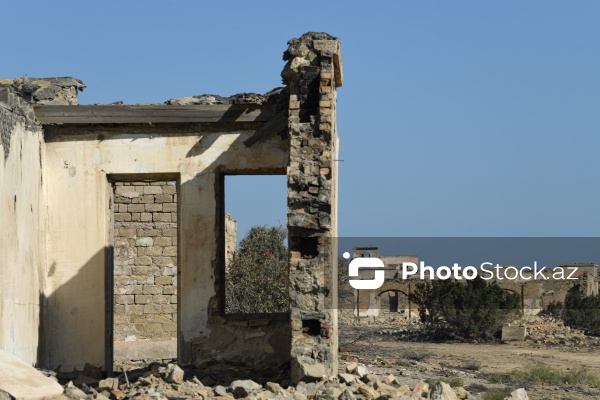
x: 144, y: 288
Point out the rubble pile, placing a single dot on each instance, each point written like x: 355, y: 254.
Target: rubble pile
x: 169, y: 381
x: 550, y: 332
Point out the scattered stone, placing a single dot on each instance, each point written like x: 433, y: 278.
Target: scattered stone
x: 347, y: 378
x: 367, y: 392
x: 273, y: 387
x: 461, y: 392
x: 108, y: 384
x: 73, y: 392
x: 370, y: 379
x: 245, y: 387
x: 84, y: 380
x: 117, y: 394
x: 329, y: 393
x: 519, y: 394
x: 171, y: 373
x: 390, y: 380
x: 361, y: 370
x: 307, y: 389
x: 350, y: 368
x: 421, y: 387
x: 221, y: 391
x: 347, y: 395
x: 442, y: 391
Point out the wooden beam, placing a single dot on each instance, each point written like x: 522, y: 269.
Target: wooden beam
x: 143, y: 114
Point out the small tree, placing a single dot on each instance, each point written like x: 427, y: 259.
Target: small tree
x: 469, y: 308
x: 582, y: 312
x: 256, y: 279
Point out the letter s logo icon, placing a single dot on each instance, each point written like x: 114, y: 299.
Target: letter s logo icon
x: 366, y: 262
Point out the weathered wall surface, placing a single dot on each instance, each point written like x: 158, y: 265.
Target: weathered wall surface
x: 79, y: 171
x: 230, y: 238
x: 22, y: 216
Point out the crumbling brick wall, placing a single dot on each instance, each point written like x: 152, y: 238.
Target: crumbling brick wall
x: 145, y: 264
x: 312, y: 74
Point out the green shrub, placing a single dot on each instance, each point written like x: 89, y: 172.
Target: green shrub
x: 496, y: 395
x: 472, y: 365
x: 452, y: 381
x: 256, y: 279
x: 513, y: 376
x: 416, y: 354
x: 582, y: 312
x: 554, y: 309
x: 471, y: 308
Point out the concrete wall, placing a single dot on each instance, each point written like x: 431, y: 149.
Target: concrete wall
x: 22, y: 242
x: 81, y: 162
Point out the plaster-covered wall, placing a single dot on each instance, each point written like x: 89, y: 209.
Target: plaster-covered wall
x: 23, y: 233
x: 80, y: 162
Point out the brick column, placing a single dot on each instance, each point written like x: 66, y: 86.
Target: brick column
x: 312, y: 74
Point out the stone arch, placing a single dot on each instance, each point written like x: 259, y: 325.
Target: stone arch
x: 369, y: 301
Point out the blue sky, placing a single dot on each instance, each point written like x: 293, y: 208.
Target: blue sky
x: 456, y: 118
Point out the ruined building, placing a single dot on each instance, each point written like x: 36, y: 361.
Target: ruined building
x: 115, y: 226
x: 393, y: 296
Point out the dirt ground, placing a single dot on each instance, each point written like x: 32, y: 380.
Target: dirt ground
x: 384, y: 351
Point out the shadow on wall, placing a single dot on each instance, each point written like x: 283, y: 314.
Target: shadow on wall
x: 73, y: 316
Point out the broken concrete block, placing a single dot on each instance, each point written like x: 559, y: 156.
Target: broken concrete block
x: 22, y: 381
x: 307, y: 370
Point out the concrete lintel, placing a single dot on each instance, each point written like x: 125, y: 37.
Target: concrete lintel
x: 136, y: 114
